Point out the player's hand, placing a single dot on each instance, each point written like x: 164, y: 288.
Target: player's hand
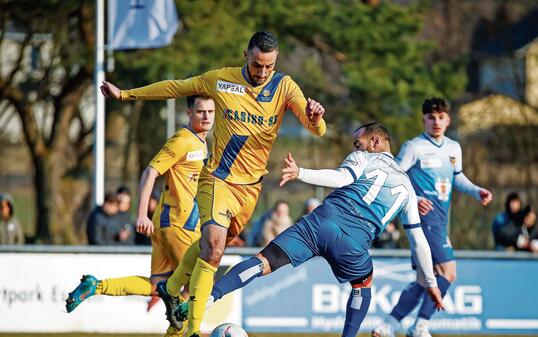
x: 110, y: 90
x: 144, y: 226
x: 424, y: 206
x: 435, y: 295
x: 290, y: 170
x: 314, y: 111
x: 485, y: 196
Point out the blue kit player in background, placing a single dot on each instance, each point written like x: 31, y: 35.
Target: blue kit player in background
x: 434, y: 164
x: 371, y: 190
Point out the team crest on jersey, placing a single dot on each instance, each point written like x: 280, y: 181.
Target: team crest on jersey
x: 443, y: 187
x: 266, y: 93
x: 452, y: 160
x: 231, y: 88
x: 195, y: 155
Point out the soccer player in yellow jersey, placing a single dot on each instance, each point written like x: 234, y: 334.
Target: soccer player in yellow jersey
x: 250, y: 103
x: 175, y: 224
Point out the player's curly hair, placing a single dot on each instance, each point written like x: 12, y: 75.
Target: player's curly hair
x: 435, y: 104
x: 265, y: 41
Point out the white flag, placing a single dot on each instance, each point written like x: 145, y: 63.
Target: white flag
x: 134, y: 24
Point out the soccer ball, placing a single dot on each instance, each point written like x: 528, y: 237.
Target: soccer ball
x: 228, y: 330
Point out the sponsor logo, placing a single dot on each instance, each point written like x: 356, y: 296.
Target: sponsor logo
x: 231, y: 88
x: 430, y: 163
x: 195, y: 155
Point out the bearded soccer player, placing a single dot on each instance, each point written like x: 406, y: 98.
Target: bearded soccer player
x: 250, y: 103
x: 175, y: 224
x: 434, y: 164
x: 371, y: 189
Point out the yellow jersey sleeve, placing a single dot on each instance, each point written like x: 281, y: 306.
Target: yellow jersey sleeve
x: 296, y: 102
x: 198, y: 85
x: 173, y: 151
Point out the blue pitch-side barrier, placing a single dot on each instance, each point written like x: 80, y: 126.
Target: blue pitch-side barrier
x: 493, y: 294
x: 496, y: 292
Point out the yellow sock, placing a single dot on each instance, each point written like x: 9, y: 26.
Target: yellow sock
x: 182, y: 274
x: 130, y: 285
x: 172, y: 332
x: 201, y: 286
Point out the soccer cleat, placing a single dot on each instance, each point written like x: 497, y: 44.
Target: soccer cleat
x: 383, y: 330
x: 171, y: 303
x: 182, y: 312
x: 86, y: 288
x: 414, y: 332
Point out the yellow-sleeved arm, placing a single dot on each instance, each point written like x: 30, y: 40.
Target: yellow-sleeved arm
x: 198, y: 85
x: 171, y: 153
x: 296, y: 102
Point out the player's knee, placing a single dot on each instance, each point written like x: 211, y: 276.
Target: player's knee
x: 363, y: 282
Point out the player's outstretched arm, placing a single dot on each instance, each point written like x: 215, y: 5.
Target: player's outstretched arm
x: 147, y: 181
x: 485, y: 196
x: 110, y: 90
x: 422, y: 255
x: 333, y: 178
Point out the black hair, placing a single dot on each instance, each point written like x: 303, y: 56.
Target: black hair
x: 435, y: 104
x: 191, y: 100
x: 265, y: 41
x: 111, y: 197
x: 511, y: 197
x: 123, y: 189
x: 375, y: 128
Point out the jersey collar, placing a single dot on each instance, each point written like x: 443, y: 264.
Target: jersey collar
x: 427, y: 136
x: 194, y: 133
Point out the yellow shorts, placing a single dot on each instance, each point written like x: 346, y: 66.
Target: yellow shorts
x: 224, y: 204
x: 168, y: 244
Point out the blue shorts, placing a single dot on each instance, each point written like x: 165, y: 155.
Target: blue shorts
x: 318, y: 234
x: 440, y: 245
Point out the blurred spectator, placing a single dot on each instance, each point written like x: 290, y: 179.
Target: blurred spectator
x: 388, y: 239
x: 309, y: 205
x: 504, y: 224
x: 528, y: 239
x: 124, y: 198
x: 141, y: 239
x: 103, y: 224
x: 11, y: 232
x: 279, y: 221
x: 254, y: 235
x: 126, y: 231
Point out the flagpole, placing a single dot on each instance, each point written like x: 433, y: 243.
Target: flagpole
x: 99, y: 130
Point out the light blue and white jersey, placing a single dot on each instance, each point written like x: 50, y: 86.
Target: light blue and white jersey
x: 431, y: 166
x: 381, y: 191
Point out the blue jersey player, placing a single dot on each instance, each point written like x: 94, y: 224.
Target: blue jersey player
x: 434, y: 165
x: 371, y: 189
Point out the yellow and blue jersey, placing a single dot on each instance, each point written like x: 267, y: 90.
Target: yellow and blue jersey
x: 181, y: 159
x: 247, y: 117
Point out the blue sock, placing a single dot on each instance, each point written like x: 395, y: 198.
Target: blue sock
x: 356, y: 309
x: 239, y: 276
x: 428, y: 306
x: 408, y: 300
